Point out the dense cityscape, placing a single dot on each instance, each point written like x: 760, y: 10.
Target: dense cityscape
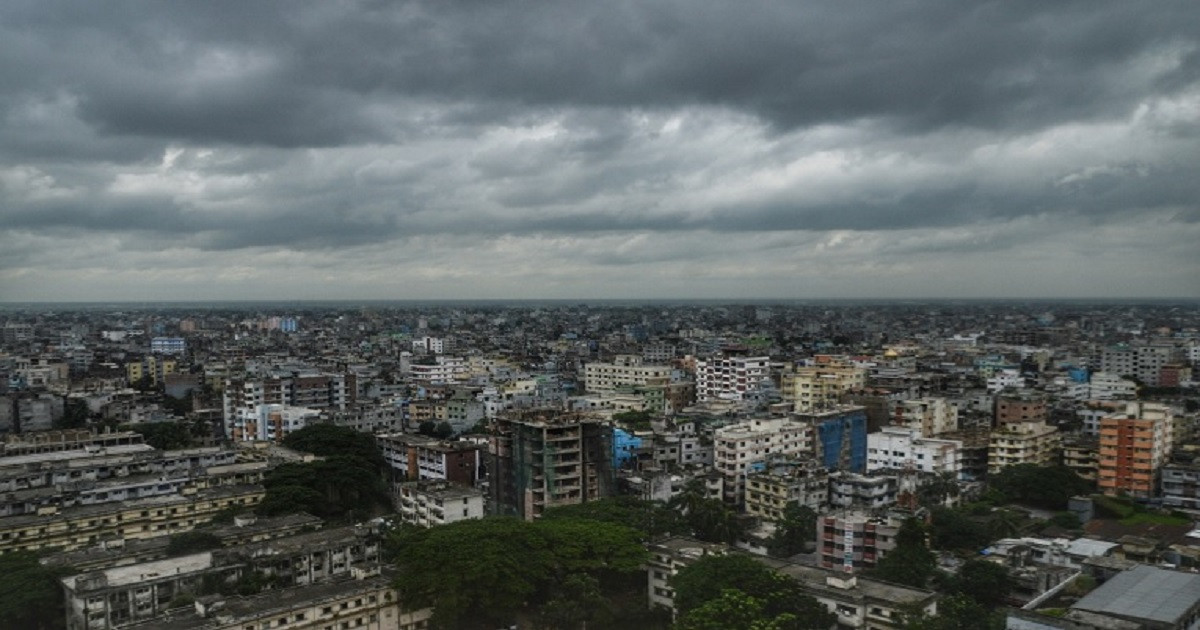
x: 940, y: 464
x: 619, y: 315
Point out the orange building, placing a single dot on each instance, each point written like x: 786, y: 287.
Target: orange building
x: 1134, y: 444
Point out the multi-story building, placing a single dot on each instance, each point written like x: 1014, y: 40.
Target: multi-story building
x: 1108, y: 386
x: 730, y: 377
x: 77, y: 527
x: 867, y: 492
x: 1023, y: 443
x: 543, y: 458
x: 858, y: 602
x: 418, y: 457
x: 930, y: 416
x: 1091, y: 412
x: 813, y: 388
x: 1082, y: 455
x: 854, y: 540
x: 740, y: 448
x: 841, y: 436
x: 364, y: 600
x: 1020, y: 406
x: 125, y: 595
x: 268, y: 422
x: 1134, y: 444
x: 903, y: 448
x: 442, y: 369
x: 1144, y: 362
x: 667, y: 558
x: 625, y: 369
x: 798, y: 482
x: 312, y: 389
x: 151, y: 367
x: 429, y: 503
x: 1180, y: 480
x: 168, y: 345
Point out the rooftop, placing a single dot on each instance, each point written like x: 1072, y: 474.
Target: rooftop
x: 1145, y: 593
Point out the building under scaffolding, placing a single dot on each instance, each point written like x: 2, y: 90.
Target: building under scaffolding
x: 544, y: 457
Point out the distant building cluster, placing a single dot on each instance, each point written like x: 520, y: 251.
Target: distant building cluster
x: 866, y: 416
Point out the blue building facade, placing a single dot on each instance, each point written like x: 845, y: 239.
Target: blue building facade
x: 625, y: 445
x: 842, y: 436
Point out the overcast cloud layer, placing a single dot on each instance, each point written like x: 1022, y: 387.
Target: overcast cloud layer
x: 158, y: 151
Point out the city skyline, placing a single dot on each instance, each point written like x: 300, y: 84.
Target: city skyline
x: 618, y: 150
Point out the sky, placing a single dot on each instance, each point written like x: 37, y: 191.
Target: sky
x: 613, y: 149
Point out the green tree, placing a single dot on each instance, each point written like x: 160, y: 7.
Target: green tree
x: 793, y: 532
x: 713, y: 521
x: 165, y: 436
x: 953, y: 530
x: 957, y: 612
x: 706, y: 579
x: 987, y: 583
x: 338, y: 486
x: 443, y: 431
x: 578, y: 602
x: 331, y: 440
x: 733, y: 609
x: 192, y: 542
x: 911, y: 563
x: 75, y: 414
x: 30, y: 595
x: 651, y: 518
x: 1047, y: 487
x: 935, y: 490
x: 486, y: 573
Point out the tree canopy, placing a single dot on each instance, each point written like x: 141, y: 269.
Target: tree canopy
x: 650, y: 518
x: 1048, y: 487
x: 735, y: 586
x: 30, y: 595
x: 485, y: 573
x: 331, y: 440
x: 331, y: 487
x: 793, y: 532
x: 911, y: 563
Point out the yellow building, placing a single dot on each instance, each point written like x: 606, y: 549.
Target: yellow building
x: 85, y: 526
x: 154, y: 368
x: 819, y: 387
x: 1023, y: 443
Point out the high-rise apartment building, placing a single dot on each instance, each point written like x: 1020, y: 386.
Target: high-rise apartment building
x: 1134, y: 444
x: 903, y: 448
x: 742, y: 447
x: 854, y: 541
x: 543, y: 458
x: 730, y: 377
x: 625, y: 369
x: 818, y: 387
x: 841, y: 436
x: 1023, y: 443
x: 929, y: 416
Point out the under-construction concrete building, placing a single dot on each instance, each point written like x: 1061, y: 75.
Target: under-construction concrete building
x: 545, y: 457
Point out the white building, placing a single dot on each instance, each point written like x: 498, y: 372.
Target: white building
x: 443, y: 369
x: 625, y: 369
x: 1004, y: 379
x: 742, y: 447
x: 430, y: 503
x: 730, y: 377
x: 1107, y: 386
x: 268, y: 422
x: 902, y: 448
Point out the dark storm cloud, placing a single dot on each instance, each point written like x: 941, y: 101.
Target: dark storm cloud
x: 738, y: 133
x: 287, y: 74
